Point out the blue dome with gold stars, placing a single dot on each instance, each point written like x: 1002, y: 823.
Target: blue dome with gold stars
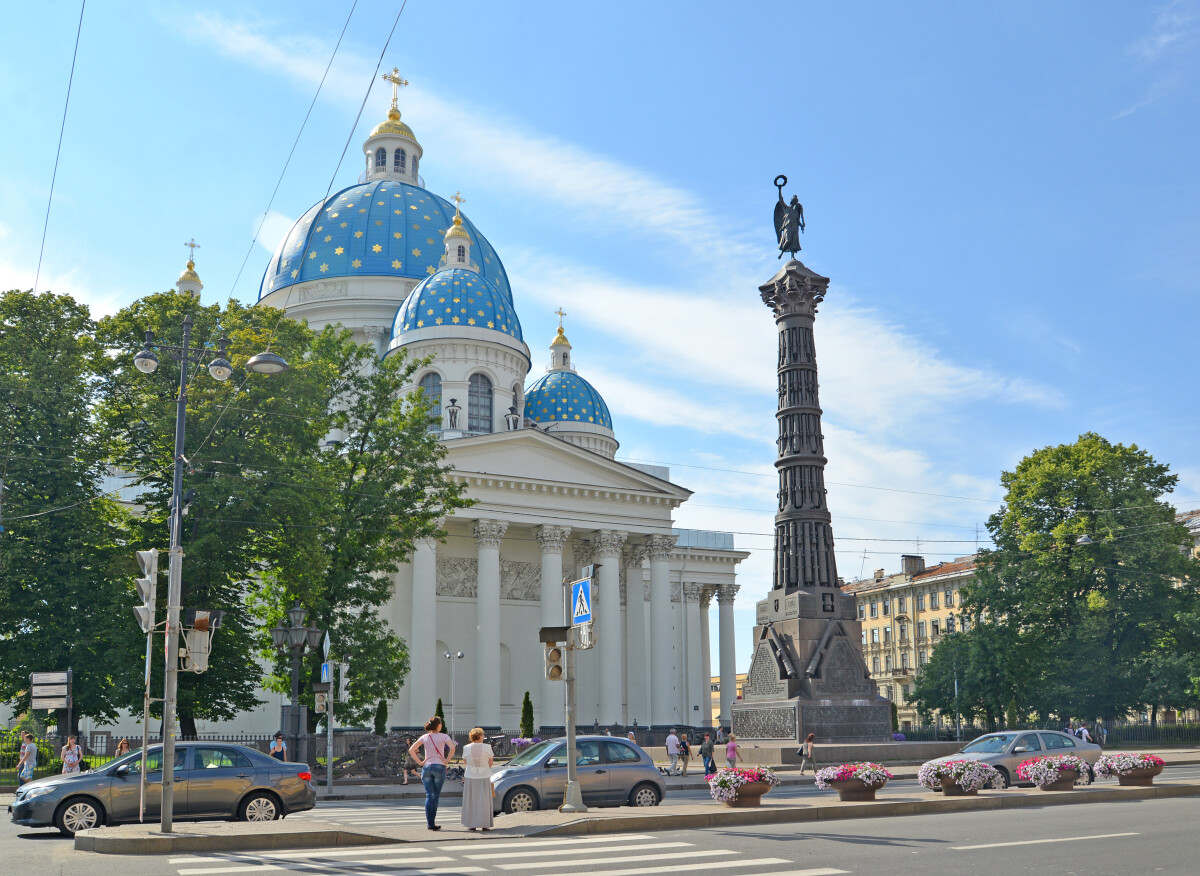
x: 381, y: 228
x: 564, y: 396
x: 456, y: 297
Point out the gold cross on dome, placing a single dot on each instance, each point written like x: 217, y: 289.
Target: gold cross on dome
x: 561, y: 313
x: 397, y: 82
x: 193, y: 246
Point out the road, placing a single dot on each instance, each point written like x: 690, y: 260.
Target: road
x: 1130, y: 837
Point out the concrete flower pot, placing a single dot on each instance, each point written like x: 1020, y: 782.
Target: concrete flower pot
x: 749, y: 795
x: 855, y: 790
x: 1066, y: 781
x: 951, y: 789
x: 1143, y: 777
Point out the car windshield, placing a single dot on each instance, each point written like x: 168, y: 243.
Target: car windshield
x: 993, y: 744
x: 530, y: 754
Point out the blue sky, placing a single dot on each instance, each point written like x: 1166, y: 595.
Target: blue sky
x: 1005, y: 197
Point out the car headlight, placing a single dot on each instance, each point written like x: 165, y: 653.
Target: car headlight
x: 500, y: 775
x: 38, y: 791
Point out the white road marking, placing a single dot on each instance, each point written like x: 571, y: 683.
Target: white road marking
x: 627, y: 859
x: 633, y: 847
x: 617, y: 838
x: 711, y: 865
x: 349, y: 853
x: 1061, y: 839
x: 249, y: 868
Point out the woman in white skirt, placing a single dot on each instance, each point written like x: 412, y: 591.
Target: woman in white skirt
x: 477, y: 782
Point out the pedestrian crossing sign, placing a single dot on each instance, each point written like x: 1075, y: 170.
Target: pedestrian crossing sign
x: 581, y: 601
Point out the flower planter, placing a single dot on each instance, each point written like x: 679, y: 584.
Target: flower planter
x: 951, y: 788
x: 1066, y: 781
x: 749, y: 795
x: 855, y: 790
x: 1143, y: 777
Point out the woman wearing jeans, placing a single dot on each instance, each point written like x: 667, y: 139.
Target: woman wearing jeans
x: 438, y: 747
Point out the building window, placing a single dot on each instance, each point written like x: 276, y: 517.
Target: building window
x: 414, y: 165
x: 903, y: 606
x: 431, y: 385
x: 965, y: 623
x: 479, y: 404
x: 462, y: 253
x: 934, y: 628
x: 920, y: 602
x: 887, y: 635
x: 874, y: 609
x: 887, y: 607
x: 862, y: 611
x: 933, y: 600
x: 400, y: 162
x: 887, y: 690
x: 950, y: 624
x: 903, y: 632
x: 949, y: 599
x: 381, y: 158
x: 875, y: 636
x: 923, y: 657
x: 887, y: 662
x: 904, y: 660
x: 875, y: 665
x: 920, y: 629
x: 864, y: 637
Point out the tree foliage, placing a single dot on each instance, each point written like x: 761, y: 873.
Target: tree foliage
x: 527, y: 716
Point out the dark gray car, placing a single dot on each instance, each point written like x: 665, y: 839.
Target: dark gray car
x: 212, y: 780
x: 611, y: 772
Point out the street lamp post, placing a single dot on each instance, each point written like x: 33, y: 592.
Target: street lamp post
x: 146, y: 361
x: 295, y: 637
x: 453, y: 657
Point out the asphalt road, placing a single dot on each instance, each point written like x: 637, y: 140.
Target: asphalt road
x: 1130, y: 837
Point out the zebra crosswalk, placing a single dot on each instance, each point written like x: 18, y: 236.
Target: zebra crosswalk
x: 609, y: 855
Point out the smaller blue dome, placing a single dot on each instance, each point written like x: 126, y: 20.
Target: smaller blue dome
x: 564, y: 396
x: 456, y: 297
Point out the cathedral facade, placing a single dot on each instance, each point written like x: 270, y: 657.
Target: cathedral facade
x: 405, y: 270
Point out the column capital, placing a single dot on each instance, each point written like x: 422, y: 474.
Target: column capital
x: 489, y: 532
x: 609, y: 543
x: 726, y: 593
x: 633, y: 554
x: 659, y: 547
x: 552, y: 539
x: 706, y: 595
x: 691, y: 592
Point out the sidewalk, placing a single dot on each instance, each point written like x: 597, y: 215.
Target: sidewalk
x: 241, y: 836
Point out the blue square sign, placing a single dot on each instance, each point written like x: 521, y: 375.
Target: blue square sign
x: 581, y: 601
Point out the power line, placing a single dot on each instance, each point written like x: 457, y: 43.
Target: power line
x: 58, y: 152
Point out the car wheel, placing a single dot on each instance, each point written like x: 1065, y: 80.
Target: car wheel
x: 259, y: 807
x: 644, y: 794
x: 520, y: 800
x: 1005, y: 778
x: 79, y: 813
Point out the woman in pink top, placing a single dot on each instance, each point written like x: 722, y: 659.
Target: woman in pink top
x: 438, y: 747
x: 731, y: 751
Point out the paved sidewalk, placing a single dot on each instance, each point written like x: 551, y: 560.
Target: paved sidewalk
x: 306, y: 833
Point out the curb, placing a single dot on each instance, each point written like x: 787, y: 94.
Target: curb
x: 156, y: 844
x: 797, y: 814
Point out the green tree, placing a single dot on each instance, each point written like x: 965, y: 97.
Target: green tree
x: 65, y: 586
x: 381, y: 718
x: 1078, y: 621
x: 527, y: 716
x: 438, y: 711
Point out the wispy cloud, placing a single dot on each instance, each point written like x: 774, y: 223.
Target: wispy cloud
x: 1172, y: 32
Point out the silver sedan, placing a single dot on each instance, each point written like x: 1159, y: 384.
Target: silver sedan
x: 1006, y: 751
x: 212, y: 780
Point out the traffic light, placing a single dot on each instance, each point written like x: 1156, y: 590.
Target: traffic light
x: 554, y: 661
x: 147, y: 585
x: 322, y: 701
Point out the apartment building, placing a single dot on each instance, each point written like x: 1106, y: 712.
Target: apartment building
x: 904, y: 616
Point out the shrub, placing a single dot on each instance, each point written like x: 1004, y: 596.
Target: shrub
x: 868, y: 773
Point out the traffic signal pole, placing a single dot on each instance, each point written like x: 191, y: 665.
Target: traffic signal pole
x: 572, y: 798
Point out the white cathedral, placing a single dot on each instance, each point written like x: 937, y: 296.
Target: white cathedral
x: 404, y: 269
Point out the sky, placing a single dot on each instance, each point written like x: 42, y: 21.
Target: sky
x: 1005, y: 196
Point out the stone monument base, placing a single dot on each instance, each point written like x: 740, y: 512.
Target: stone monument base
x: 839, y: 720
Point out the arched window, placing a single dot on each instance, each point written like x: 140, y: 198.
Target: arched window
x: 401, y: 159
x: 479, y: 404
x: 462, y: 253
x: 431, y: 385
x: 414, y: 165
x: 381, y: 158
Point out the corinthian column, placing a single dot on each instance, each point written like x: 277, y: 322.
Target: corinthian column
x: 609, y: 639
x: 637, y: 689
x: 695, y: 662
x: 706, y: 657
x: 725, y: 596
x: 487, y: 623
x: 662, y: 652
x: 422, y: 643
x: 552, y: 539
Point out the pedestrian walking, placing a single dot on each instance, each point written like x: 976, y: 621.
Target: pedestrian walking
x: 278, y: 748
x: 806, y: 753
x: 721, y: 740
x: 478, y: 790
x: 436, y: 748
x: 673, y: 751
x: 706, y: 754
x: 71, y: 756
x: 731, y: 751
x: 28, y: 759
x: 122, y: 748
x: 1083, y: 733
x: 685, y: 753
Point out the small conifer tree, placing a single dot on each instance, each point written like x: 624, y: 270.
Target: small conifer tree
x: 527, y: 717
x: 381, y: 719
x: 438, y: 711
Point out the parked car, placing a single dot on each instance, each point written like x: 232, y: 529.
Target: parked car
x: 611, y: 772
x: 1006, y: 751
x: 212, y: 780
